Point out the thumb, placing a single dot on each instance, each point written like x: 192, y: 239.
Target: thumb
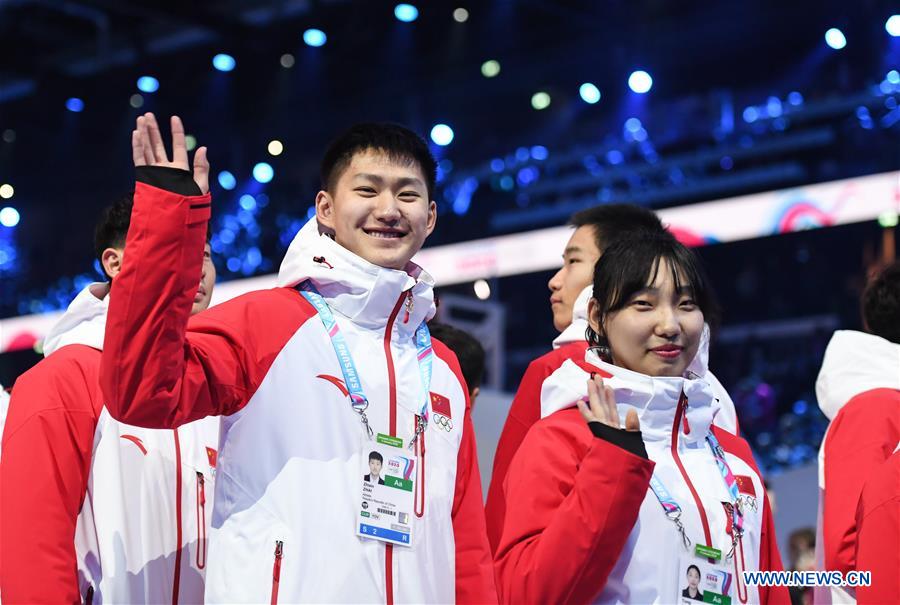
x: 201, y: 170
x: 631, y: 421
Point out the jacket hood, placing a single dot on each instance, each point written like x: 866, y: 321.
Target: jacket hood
x: 576, y: 330
x: 855, y: 362
x: 83, y: 323
x: 655, y: 399
x: 364, y: 293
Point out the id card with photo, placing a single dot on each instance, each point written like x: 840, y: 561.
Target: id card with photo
x: 700, y: 581
x: 388, y: 479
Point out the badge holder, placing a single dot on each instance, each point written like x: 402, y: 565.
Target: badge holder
x: 388, y: 487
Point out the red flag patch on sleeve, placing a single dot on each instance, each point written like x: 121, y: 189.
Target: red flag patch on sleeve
x: 440, y: 405
x: 745, y: 485
x: 212, y: 455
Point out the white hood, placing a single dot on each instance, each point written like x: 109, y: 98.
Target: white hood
x: 83, y: 323
x: 348, y: 282
x: 653, y: 398
x: 576, y: 330
x: 855, y: 362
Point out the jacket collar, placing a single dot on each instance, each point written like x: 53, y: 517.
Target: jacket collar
x: 576, y: 330
x: 363, y: 292
x: 84, y: 321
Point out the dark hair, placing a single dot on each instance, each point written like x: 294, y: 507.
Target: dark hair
x: 468, y: 351
x: 881, y: 304
x: 613, y: 221
x: 629, y: 264
x: 690, y: 567
x: 375, y: 456
x: 112, y: 227
x: 400, y: 144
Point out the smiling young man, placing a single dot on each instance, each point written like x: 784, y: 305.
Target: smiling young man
x: 310, y: 378
x: 570, y: 290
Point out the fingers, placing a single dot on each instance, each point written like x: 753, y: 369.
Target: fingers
x: 179, y: 146
x: 632, y: 423
x: 609, y: 402
x: 137, y: 149
x: 156, y: 142
x: 144, y: 136
x: 201, y: 170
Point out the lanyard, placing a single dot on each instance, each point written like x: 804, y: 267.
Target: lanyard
x: 358, y: 400
x: 672, y: 509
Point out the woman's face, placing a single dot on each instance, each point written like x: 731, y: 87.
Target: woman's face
x: 693, y: 577
x: 657, y: 332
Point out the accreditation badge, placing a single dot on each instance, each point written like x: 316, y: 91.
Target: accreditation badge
x: 388, y: 487
x: 700, y: 581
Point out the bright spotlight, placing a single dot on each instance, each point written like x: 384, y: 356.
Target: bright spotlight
x: 835, y: 38
x: 227, y: 180
x: 314, y: 37
x: 136, y: 100
x: 482, y: 289
x: 287, y: 60
x: 460, y: 15
x: 275, y: 147
x: 148, y: 84
x: 540, y: 100
x: 442, y: 134
x: 263, y: 172
x: 589, y: 93
x: 640, y: 81
x: 75, y: 105
x: 9, y: 217
x: 892, y: 25
x: 7, y: 191
x: 490, y: 69
x: 406, y: 13
x: 223, y: 62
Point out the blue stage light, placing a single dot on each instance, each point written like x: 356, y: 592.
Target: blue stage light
x: 247, y: 202
x: 632, y: 125
x: 539, y: 152
x: 640, y: 81
x: 263, y: 172
x: 314, y: 37
x: 9, y: 217
x: 589, y: 93
x: 406, y: 13
x: 442, y: 134
x: 751, y: 114
x: 75, y: 105
x: 227, y: 180
x: 795, y: 98
x: 835, y: 38
x: 224, y: 62
x: 148, y: 84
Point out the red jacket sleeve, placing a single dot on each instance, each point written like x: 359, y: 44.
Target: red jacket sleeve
x: 878, y: 530
x: 571, y: 503
x: 860, y: 438
x: 474, y: 568
x: 161, y: 370
x: 47, y: 447
x: 523, y: 413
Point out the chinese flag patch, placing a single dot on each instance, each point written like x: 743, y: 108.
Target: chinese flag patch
x: 211, y: 454
x: 745, y: 485
x: 440, y: 405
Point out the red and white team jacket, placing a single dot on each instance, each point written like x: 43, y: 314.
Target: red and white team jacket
x: 93, y: 509
x: 858, y: 389
x: 525, y: 409
x: 581, y: 523
x: 288, y: 486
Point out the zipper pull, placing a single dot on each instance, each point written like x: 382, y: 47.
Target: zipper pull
x: 279, y: 553
x: 684, y: 421
x: 409, y: 306
x: 202, y: 481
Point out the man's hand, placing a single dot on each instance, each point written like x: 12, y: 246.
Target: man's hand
x: 601, y: 407
x: 147, y: 149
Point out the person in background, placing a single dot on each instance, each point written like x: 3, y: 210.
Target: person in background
x: 468, y: 351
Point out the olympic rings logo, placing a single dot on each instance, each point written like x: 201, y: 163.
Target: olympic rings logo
x: 443, y: 422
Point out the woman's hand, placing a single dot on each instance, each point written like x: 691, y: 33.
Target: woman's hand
x: 601, y: 407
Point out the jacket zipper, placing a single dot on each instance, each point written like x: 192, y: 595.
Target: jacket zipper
x: 419, y: 503
x: 276, y: 570
x: 738, y: 569
x: 392, y: 393
x: 201, y: 521
x: 681, y: 413
x: 177, y: 579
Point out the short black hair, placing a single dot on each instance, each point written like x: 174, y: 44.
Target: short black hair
x: 468, y: 351
x: 612, y: 221
x: 399, y: 143
x: 881, y: 304
x: 376, y: 456
x: 112, y: 227
x: 690, y: 567
x: 630, y: 263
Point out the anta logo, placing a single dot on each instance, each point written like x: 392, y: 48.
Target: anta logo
x: 137, y: 441
x: 336, y: 382
x: 442, y: 414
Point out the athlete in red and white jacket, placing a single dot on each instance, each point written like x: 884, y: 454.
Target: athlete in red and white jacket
x: 93, y: 509
x: 858, y: 389
x: 599, y: 535
x: 288, y: 486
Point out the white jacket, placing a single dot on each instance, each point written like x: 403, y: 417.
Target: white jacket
x: 132, y: 545
x: 726, y: 416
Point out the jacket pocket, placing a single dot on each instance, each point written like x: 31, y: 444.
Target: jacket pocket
x: 276, y: 570
x: 201, y: 521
